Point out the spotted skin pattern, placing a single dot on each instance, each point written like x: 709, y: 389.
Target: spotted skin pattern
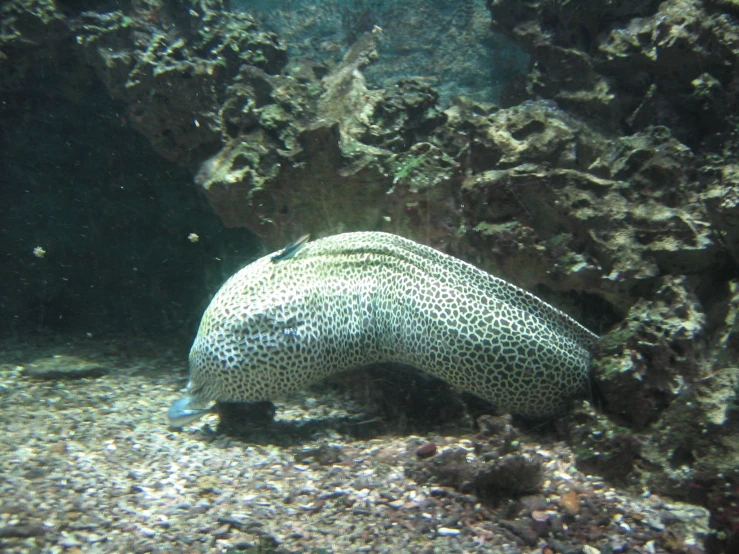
x: 356, y: 299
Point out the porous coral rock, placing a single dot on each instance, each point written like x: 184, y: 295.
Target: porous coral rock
x: 507, y: 476
x: 539, y: 244
x: 680, y: 60
x: 643, y: 364
x: 561, y: 37
x: 173, y: 70
x: 722, y: 203
x: 605, y: 218
x: 628, y: 64
x: 405, y: 114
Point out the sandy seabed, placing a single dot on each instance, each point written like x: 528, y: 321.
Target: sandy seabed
x: 90, y: 466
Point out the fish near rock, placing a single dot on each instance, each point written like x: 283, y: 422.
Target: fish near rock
x: 317, y: 308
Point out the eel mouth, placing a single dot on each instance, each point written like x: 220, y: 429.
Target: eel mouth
x: 188, y: 409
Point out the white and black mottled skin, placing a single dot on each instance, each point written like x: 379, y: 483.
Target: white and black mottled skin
x: 356, y: 299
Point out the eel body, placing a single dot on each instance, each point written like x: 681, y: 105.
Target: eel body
x: 350, y: 300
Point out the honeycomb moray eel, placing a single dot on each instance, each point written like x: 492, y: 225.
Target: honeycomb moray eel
x: 345, y: 301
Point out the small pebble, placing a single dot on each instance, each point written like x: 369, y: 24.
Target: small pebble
x: 69, y: 542
x: 58, y: 448
x: 587, y: 549
x: 222, y: 531
x: 426, y: 450
x: 533, y: 502
x: 448, y: 532
x: 570, y: 502
x: 654, y: 524
x: 538, y: 515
